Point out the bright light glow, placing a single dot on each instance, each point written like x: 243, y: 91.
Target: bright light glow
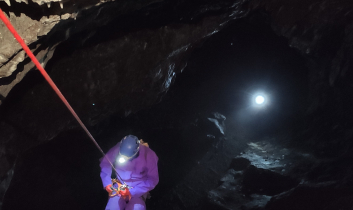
x: 259, y: 99
x: 122, y: 160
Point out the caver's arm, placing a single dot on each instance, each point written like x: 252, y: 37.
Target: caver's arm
x: 106, y: 168
x: 151, y: 179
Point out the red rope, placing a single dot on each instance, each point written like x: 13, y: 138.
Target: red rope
x: 51, y: 83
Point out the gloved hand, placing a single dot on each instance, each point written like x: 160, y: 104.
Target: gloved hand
x: 125, y: 193
x: 108, y: 188
x: 112, y: 190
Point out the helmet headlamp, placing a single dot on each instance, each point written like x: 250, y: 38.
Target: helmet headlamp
x: 129, y: 147
x: 122, y: 160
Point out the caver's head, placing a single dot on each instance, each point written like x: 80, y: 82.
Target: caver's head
x: 129, y: 148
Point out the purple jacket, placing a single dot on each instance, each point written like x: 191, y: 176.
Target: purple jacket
x: 140, y: 173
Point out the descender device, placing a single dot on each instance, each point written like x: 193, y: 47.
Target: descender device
x: 120, y: 189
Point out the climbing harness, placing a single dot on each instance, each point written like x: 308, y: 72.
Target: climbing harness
x: 115, y: 190
x: 56, y: 89
x: 121, y: 190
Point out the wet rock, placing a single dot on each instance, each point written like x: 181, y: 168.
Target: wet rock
x: 141, y: 64
x: 231, y: 177
x: 229, y: 194
x: 130, y: 67
x: 308, y: 27
x: 219, y: 121
x: 322, y: 31
x: 104, y: 79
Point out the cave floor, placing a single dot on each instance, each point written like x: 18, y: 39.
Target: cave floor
x: 223, y: 174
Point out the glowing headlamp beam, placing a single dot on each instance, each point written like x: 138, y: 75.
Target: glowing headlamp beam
x: 122, y: 160
x: 259, y: 99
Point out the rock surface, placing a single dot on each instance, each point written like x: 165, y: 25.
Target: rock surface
x: 118, y: 57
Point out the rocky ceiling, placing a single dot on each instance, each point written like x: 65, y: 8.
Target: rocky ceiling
x: 119, y: 57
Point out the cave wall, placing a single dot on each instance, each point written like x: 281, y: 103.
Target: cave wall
x: 141, y: 54
x: 118, y: 58
x: 322, y: 32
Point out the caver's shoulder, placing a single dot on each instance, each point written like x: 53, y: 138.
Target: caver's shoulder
x: 148, y: 152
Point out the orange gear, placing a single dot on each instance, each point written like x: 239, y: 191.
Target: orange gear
x: 125, y: 193
x: 121, y: 191
x: 112, y: 190
x: 108, y: 188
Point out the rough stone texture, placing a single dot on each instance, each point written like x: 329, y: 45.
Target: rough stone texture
x: 106, y: 79
x: 11, y: 51
x: 283, y: 178
x: 308, y: 25
x: 129, y: 69
x: 321, y: 30
x: 127, y: 63
x: 34, y: 22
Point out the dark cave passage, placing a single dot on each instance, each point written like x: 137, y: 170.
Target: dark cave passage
x: 221, y: 77
x: 182, y: 75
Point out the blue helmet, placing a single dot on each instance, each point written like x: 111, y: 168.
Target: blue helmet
x: 129, y: 147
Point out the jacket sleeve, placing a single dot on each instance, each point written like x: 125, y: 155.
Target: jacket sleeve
x: 106, y: 168
x: 150, y: 181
